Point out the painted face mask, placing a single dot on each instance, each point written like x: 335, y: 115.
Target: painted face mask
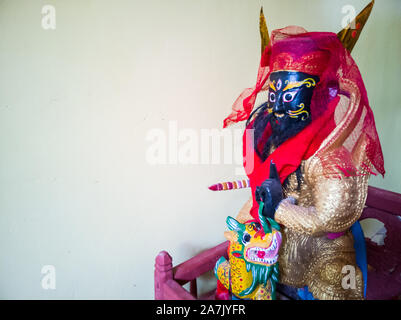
x: 287, y: 108
x: 289, y: 96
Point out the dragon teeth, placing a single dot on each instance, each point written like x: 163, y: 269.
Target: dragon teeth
x: 252, y: 253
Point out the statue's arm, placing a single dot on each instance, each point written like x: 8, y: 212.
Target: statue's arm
x: 337, y: 204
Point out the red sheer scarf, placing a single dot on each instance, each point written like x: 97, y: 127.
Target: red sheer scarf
x: 289, y: 155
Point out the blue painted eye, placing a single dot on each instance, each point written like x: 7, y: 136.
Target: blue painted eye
x: 246, y: 238
x: 289, y: 96
x: 272, y: 97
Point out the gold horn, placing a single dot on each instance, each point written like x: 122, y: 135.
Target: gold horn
x: 349, y: 36
x: 264, y: 32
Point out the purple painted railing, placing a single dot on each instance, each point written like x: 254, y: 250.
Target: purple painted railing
x: 169, y: 280
x: 384, y: 275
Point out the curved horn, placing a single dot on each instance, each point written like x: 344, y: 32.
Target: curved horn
x: 264, y: 32
x: 234, y: 225
x: 349, y: 36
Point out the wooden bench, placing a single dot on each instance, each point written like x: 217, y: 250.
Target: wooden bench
x: 384, y: 258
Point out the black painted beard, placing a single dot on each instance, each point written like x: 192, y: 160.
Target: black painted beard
x: 282, y: 129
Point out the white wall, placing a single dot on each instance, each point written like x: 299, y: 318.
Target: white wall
x: 76, y: 105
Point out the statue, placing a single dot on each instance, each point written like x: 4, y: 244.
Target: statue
x: 318, y: 129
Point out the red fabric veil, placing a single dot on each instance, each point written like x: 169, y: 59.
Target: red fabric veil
x: 341, y: 116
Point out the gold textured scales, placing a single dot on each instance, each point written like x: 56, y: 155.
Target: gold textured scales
x: 324, y: 205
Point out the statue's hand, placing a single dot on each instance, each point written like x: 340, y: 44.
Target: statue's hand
x: 270, y: 192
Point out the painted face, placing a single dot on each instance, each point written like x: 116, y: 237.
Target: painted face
x: 255, y: 245
x: 290, y: 95
x: 262, y: 249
